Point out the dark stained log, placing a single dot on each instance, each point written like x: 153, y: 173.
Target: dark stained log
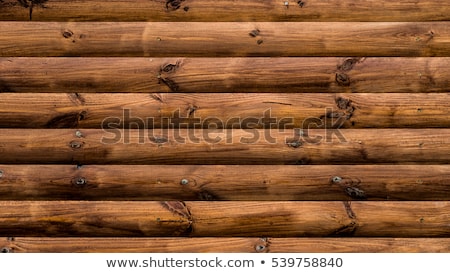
x: 228, y: 110
x: 225, y: 219
x: 224, y: 10
x: 225, y: 245
x: 230, y: 39
x: 217, y: 146
x: 206, y: 75
x: 90, y: 219
x: 225, y: 182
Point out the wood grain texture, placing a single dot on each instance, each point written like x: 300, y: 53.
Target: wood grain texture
x: 225, y: 219
x: 225, y: 245
x: 233, y: 39
x: 224, y: 182
x: 225, y: 10
x: 229, y: 110
x: 217, y: 146
x: 90, y: 219
x: 193, y: 75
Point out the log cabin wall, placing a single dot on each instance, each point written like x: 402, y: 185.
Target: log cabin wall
x: 224, y: 126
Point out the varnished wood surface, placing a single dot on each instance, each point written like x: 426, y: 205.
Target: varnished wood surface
x: 224, y: 245
x: 229, y: 110
x: 225, y: 182
x: 225, y: 219
x: 275, y: 75
x: 216, y: 146
x: 377, y: 70
x: 229, y: 39
x: 224, y: 10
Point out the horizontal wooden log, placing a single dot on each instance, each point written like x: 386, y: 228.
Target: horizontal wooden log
x: 218, y: 146
x: 224, y: 10
x: 288, y: 75
x: 233, y: 39
x: 224, y: 182
x: 224, y: 219
x: 225, y: 245
x: 228, y: 110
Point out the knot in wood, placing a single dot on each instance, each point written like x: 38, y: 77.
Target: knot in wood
x: 342, y: 79
x: 336, y: 179
x: 159, y: 139
x: 5, y: 250
x: 67, y: 33
x: 173, y: 4
x: 294, y: 143
x: 254, y: 33
x: 348, y: 64
x: 184, y: 181
x: 80, y: 181
x: 75, y: 144
x: 260, y: 248
x: 169, y: 68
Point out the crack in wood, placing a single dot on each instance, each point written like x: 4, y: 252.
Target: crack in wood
x: 348, y: 209
x: 31, y: 4
x: 76, y: 98
x: 191, y: 109
x: 346, y: 230
x: 205, y: 195
x: 430, y: 35
x: 181, y: 209
x: 173, y: 86
x: 66, y: 120
x: 157, y: 97
x: 169, y: 69
x: 178, y: 207
x: 276, y: 102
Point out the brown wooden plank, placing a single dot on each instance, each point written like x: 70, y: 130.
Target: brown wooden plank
x: 224, y: 245
x: 218, y: 146
x: 225, y: 10
x: 288, y: 75
x: 224, y: 182
x: 380, y: 219
x: 228, y: 110
x: 231, y: 39
x: 225, y: 219
x: 89, y: 218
